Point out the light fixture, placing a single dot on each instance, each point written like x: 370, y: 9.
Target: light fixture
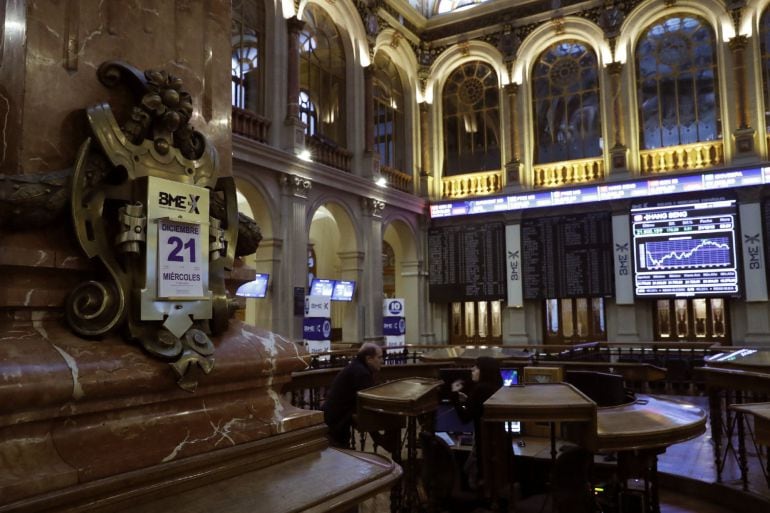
x: 382, y: 181
x: 305, y: 155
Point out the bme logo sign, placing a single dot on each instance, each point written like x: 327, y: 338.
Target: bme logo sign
x: 181, y: 202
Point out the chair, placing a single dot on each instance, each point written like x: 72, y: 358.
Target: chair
x: 603, y: 388
x: 440, y: 478
x: 570, y: 489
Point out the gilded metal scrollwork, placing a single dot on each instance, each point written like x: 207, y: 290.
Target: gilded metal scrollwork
x: 117, y: 199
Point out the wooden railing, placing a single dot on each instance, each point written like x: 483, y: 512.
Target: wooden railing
x: 474, y: 184
x: 328, y: 152
x: 250, y: 124
x: 682, y: 158
x: 567, y: 173
x: 397, y: 179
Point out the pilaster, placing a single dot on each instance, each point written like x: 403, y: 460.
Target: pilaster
x: 371, y: 282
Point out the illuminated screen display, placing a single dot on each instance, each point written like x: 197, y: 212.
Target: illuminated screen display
x: 632, y: 190
x: 256, y: 288
x: 321, y: 287
x: 343, y: 290
x: 685, y: 249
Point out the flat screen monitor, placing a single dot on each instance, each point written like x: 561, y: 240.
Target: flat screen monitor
x: 685, y: 248
x: 510, y: 377
x: 256, y: 288
x: 321, y: 287
x: 343, y: 290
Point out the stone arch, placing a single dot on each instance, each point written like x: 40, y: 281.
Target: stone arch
x: 336, y: 239
x: 576, y: 29
x: 256, y: 203
x: 402, y: 237
x: 345, y: 16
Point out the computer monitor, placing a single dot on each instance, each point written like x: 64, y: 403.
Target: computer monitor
x: 321, y: 287
x: 343, y: 290
x: 510, y: 377
x: 255, y: 288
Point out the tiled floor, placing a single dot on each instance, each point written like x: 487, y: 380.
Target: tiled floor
x: 693, y: 459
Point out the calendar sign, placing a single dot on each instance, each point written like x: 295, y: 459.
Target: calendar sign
x: 180, y: 259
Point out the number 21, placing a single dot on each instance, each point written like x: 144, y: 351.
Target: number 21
x: 179, y: 245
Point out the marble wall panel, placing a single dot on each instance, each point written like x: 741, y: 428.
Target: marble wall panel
x: 68, y: 40
x: 12, y: 73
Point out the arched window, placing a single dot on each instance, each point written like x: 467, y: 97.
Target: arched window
x: 470, y: 101
x: 764, y: 42
x: 565, y: 101
x: 247, y: 39
x: 307, y: 113
x: 388, y: 97
x: 677, y: 89
x: 322, y: 72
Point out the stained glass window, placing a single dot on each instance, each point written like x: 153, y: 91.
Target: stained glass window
x: 677, y: 89
x: 388, y: 113
x: 565, y: 98
x: 470, y: 101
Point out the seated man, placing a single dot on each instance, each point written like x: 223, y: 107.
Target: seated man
x: 340, y: 404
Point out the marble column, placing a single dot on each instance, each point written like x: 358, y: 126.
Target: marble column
x: 371, y: 292
x: 371, y: 159
x: 513, y: 166
x: 291, y: 271
x: 744, y: 134
x: 619, y: 149
x: 426, y: 143
x: 295, y: 129
x: 412, y: 276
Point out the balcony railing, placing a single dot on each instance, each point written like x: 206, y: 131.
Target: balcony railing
x: 250, y: 124
x: 566, y: 173
x: 682, y: 158
x: 397, y: 179
x: 328, y: 152
x: 474, y: 184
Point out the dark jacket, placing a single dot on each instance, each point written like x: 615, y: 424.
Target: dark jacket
x: 340, y: 404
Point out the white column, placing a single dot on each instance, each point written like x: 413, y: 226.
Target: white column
x: 291, y: 268
x: 371, y: 283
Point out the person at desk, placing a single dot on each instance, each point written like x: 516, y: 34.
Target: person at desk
x: 340, y: 404
x: 486, y: 381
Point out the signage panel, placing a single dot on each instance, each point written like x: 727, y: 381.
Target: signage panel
x: 393, y: 326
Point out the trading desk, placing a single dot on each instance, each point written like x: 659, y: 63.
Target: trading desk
x: 637, y: 431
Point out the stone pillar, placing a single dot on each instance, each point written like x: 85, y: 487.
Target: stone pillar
x: 371, y: 293
x: 295, y: 129
x: 292, y: 267
x: 426, y: 170
x: 371, y: 160
x: 48, y: 60
x: 744, y: 134
x: 513, y: 166
x: 619, y: 149
x: 412, y: 276
x: 369, y: 108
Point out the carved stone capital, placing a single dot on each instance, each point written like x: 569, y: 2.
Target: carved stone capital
x: 294, y: 25
x: 615, y: 68
x: 293, y: 185
x: 738, y: 43
x: 512, y: 89
x: 372, y: 207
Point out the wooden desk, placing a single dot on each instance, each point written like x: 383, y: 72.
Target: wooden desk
x: 761, y: 414
x: 549, y: 402
x: 407, y: 398
x: 648, y: 423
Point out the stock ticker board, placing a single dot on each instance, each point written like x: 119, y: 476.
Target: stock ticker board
x: 467, y: 263
x: 567, y: 256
